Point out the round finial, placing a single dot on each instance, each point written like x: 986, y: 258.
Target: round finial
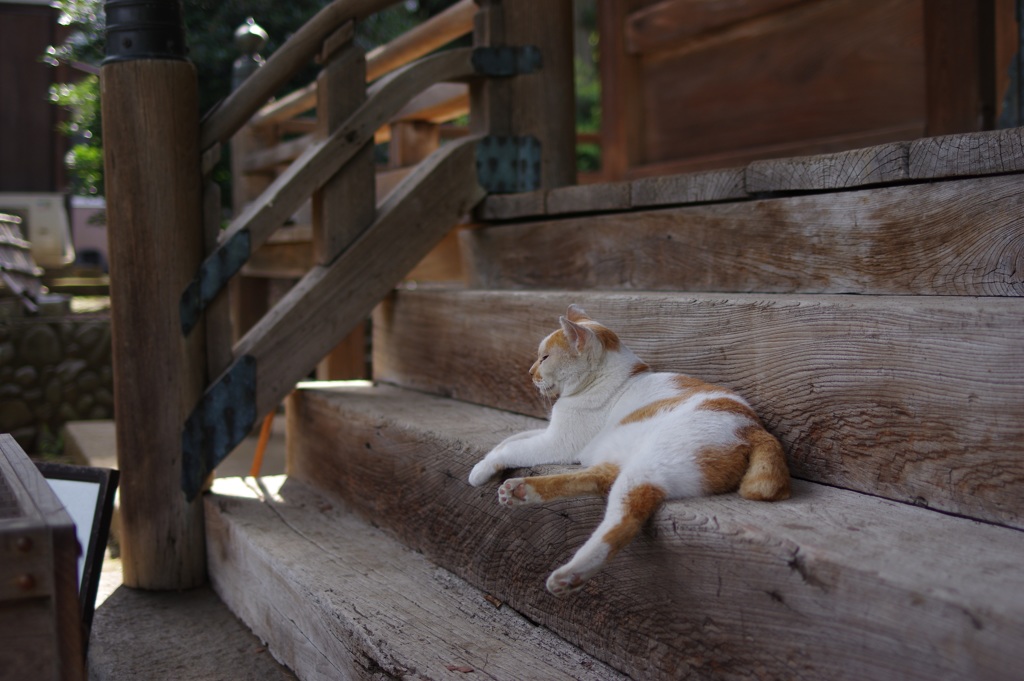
x: 250, y: 37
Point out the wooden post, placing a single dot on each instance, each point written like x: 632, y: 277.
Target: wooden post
x: 346, y: 205
x: 154, y: 225
x: 960, y: 62
x: 542, y: 104
x: 621, y: 106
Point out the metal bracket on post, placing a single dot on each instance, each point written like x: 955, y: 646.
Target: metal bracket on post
x: 506, y: 60
x: 222, y: 419
x: 214, y: 273
x: 508, y: 165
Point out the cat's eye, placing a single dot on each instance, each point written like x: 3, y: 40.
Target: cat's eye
x: 544, y: 357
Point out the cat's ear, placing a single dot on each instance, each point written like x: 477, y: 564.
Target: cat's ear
x: 577, y: 335
x: 576, y: 313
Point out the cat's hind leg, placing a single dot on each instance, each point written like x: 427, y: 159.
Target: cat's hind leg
x: 629, y: 507
x: 534, y: 490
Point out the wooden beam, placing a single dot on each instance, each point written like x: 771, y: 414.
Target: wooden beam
x: 952, y: 238
x: 154, y: 220
x: 913, y: 398
x: 345, y: 205
x: 266, y: 160
x: 882, y: 164
x: 330, y: 300
x: 621, y: 108
x: 439, y: 30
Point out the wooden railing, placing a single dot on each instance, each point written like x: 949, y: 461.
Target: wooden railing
x: 187, y: 389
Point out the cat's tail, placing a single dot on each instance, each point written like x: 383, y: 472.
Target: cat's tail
x: 767, y: 476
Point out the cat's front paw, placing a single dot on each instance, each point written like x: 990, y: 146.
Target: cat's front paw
x: 482, y: 472
x: 565, y: 581
x: 516, y: 492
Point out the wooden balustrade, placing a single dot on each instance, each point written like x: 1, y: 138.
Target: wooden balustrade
x: 227, y: 118
x: 362, y: 247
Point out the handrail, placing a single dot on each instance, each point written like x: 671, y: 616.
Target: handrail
x: 437, y: 104
x: 327, y: 303
x: 230, y: 115
x: 437, y: 192
x: 311, y: 170
x: 439, y: 30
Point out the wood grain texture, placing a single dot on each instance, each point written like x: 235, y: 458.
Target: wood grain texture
x: 452, y: 23
x: 953, y: 238
x: 512, y: 206
x: 829, y: 584
x: 663, y: 24
x: 40, y: 617
x: 322, y: 160
x: 912, y: 398
x: 346, y: 203
x: 583, y: 199
x: 155, y: 230
x: 700, y: 187
x: 331, y: 300
x: 816, y: 71
x: 981, y: 153
x: 541, y: 104
x: 884, y: 164
x: 341, y: 599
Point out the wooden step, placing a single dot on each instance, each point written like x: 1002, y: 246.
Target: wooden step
x: 913, y: 398
x: 829, y: 584
x: 944, y: 238
x: 338, y: 599
x: 992, y: 152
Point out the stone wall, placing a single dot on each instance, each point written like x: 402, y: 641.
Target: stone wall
x: 53, y: 370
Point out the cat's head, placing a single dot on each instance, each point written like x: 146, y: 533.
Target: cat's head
x: 568, y: 357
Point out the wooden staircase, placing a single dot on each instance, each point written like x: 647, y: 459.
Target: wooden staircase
x: 899, y: 555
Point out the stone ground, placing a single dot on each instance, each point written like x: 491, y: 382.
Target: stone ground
x: 174, y: 635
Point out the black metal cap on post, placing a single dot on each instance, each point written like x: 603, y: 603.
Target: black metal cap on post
x: 145, y: 29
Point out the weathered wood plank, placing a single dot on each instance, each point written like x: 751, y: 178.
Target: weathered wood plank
x: 40, y: 618
x: 951, y: 238
x: 330, y: 300
x: 845, y: 585
x: 981, y: 153
x: 701, y: 187
x: 884, y: 164
x: 614, y: 196
x: 513, y: 206
x: 340, y: 599
x: 155, y: 223
x: 911, y: 398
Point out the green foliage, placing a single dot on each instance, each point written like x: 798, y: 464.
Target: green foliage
x: 85, y: 159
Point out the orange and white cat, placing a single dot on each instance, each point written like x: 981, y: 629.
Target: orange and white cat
x: 642, y: 437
